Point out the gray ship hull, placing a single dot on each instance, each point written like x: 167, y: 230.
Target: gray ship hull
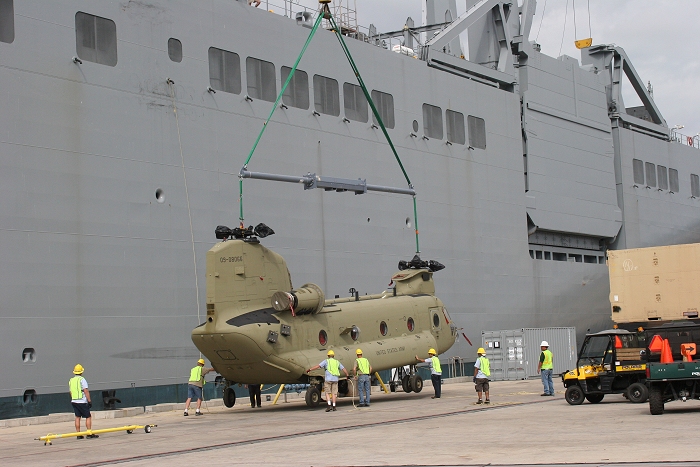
x: 114, y: 179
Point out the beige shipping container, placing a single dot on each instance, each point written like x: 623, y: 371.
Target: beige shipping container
x: 655, y: 284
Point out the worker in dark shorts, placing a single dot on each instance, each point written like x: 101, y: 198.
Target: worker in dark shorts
x: 80, y: 400
x: 482, y: 371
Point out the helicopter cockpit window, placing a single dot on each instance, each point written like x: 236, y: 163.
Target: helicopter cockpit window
x: 410, y: 324
x: 322, y: 337
x: 383, y: 328
x: 594, y: 350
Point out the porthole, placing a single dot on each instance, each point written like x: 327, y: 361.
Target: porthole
x: 383, y: 328
x: 355, y: 333
x: 29, y: 397
x: 322, y: 337
x: 368, y: 220
x: 410, y: 324
x: 160, y: 195
x: 415, y: 125
x: 175, y: 50
x: 29, y: 355
x: 436, y: 320
x: 408, y: 222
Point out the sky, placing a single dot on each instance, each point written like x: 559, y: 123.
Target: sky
x: 658, y: 36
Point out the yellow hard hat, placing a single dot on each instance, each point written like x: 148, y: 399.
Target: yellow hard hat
x: 200, y: 361
x: 358, y: 351
x: 331, y: 353
x: 78, y: 369
x: 480, y: 350
x: 432, y: 352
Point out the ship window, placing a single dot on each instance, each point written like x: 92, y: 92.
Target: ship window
x: 590, y: 259
x: 326, y: 96
x: 532, y: 254
x: 651, y: 174
x: 547, y: 255
x: 29, y: 355
x: 322, y: 337
x: 175, y: 50
x: 662, y: 174
x: 694, y: 186
x: 261, y: 79
x: 455, y: 127
x: 297, y: 92
x: 538, y: 254
x: 383, y: 328
x: 410, y: 324
x: 477, y: 132
x: 638, y: 170
x: 96, y: 39
x: 29, y: 397
x: 601, y: 259
x: 385, y: 107
x: 673, y: 180
x: 575, y: 258
x: 7, y: 21
x: 355, y: 103
x: 224, y: 71
x: 432, y: 121
x: 559, y: 256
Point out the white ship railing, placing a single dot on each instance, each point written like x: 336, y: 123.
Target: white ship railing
x: 692, y: 141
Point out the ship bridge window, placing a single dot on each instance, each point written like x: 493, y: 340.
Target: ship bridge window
x: 297, y: 92
x: 662, y: 176
x: 385, y: 107
x: 261, y: 79
x: 432, y: 121
x: 175, y: 50
x: 7, y: 21
x: 224, y: 70
x: 355, y: 103
x: 477, y: 132
x: 673, y: 180
x: 638, y: 171
x: 694, y: 186
x: 651, y: 174
x: 326, y: 96
x: 95, y: 39
x: 455, y: 127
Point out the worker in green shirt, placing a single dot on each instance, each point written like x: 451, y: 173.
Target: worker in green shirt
x: 546, y: 366
x: 362, y: 370
x: 482, y: 371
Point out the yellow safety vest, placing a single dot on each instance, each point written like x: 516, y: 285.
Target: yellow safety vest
x: 436, y: 364
x: 333, y: 366
x: 485, y: 366
x: 196, y: 374
x: 362, y: 366
x: 76, y: 387
x: 547, y: 363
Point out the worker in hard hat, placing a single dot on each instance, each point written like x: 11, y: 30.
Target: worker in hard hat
x: 80, y: 400
x: 546, y: 366
x: 435, y: 372
x: 362, y: 371
x: 330, y: 383
x: 482, y: 371
x: 195, y: 386
x: 255, y: 394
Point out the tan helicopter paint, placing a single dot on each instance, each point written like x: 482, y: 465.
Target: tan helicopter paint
x: 242, y: 278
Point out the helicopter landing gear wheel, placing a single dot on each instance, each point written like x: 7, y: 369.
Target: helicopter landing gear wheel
x: 416, y: 383
x: 313, y: 396
x: 406, y: 384
x: 229, y: 397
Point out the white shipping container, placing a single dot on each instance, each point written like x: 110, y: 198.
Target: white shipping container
x: 515, y: 354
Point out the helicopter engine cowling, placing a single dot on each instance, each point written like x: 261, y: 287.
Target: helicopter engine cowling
x: 309, y: 298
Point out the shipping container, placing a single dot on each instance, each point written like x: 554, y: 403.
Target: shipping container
x: 515, y: 354
x: 654, y: 284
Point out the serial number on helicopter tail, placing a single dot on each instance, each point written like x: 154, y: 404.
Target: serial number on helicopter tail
x: 392, y: 350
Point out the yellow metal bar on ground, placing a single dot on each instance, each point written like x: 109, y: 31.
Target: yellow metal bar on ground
x: 381, y: 383
x: 129, y: 428
x: 274, y: 402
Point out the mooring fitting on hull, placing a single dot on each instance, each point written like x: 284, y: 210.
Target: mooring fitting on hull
x: 308, y: 298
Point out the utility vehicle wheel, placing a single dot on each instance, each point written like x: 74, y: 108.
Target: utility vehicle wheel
x: 313, y: 396
x: 656, y: 401
x: 229, y: 397
x: 406, y: 384
x: 416, y: 383
x: 574, y: 395
x: 637, y: 393
x: 594, y: 398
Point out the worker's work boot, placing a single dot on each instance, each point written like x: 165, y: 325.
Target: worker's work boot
x: 329, y: 409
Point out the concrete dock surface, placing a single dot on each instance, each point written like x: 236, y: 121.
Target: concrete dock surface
x: 519, y: 427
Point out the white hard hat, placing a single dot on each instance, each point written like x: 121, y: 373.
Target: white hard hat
x: 544, y: 344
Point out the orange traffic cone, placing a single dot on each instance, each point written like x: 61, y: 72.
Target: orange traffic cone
x: 666, y: 355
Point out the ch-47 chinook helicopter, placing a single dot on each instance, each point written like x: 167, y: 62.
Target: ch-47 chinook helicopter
x: 259, y: 330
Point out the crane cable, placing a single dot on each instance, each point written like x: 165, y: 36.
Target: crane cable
x: 325, y: 12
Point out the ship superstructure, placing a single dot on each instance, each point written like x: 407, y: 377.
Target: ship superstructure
x: 124, y: 126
